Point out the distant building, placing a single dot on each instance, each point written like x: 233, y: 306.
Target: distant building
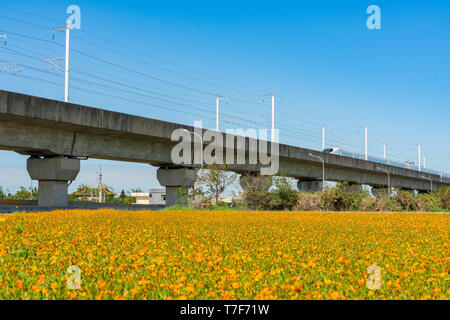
x: 92, y: 193
x: 153, y: 197
x: 141, y: 197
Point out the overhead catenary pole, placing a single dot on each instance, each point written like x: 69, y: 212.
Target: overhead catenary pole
x: 273, y: 114
x: 419, y: 156
x: 273, y: 117
x: 100, y: 185
x: 217, y: 112
x: 218, y: 99
x: 66, y: 69
x: 66, y: 83
x: 323, y: 138
x: 365, y: 152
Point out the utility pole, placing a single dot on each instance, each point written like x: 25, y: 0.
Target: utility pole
x: 273, y: 114
x: 218, y: 99
x: 273, y: 117
x: 323, y: 137
x: 67, y: 60
x: 217, y: 112
x: 419, y: 157
x: 366, y: 155
x: 100, y: 185
x: 66, y: 85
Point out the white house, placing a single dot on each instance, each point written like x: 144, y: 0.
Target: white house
x: 153, y: 197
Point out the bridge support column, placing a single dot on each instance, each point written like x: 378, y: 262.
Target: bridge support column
x: 53, y: 175
x: 258, y: 182
x: 309, y: 185
x: 173, y: 179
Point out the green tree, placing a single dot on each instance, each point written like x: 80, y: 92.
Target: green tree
x: 81, y: 187
x: 214, y: 179
x: 22, y: 194
x: 122, y: 195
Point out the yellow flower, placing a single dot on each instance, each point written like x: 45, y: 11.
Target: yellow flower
x: 19, y: 284
x: 334, y: 295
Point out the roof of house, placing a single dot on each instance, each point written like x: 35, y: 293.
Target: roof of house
x: 93, y: 191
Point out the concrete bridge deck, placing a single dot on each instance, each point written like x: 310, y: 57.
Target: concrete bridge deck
x: 47, y: 128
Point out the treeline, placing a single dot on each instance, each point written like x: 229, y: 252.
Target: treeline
x: 21, y: 194
x: 32, y: 194
x: 335, y: 199
x: 279, y: 193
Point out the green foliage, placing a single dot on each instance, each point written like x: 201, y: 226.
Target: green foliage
x: 182, y: 196
x: 224, y: 206
x: 428, y: 203
x: 2, y: 194
x: 406, y: 200
x: 257, y: 199
x: 21, y: 194
x: 282, y: 197
x: 81, y: 187
x: 443, y: 195
x: 368, y: 203
x: 178, y: 208
x: 285, y: 194
x: 309, y: 201
x: 214, y: 179
x: 335, y: 199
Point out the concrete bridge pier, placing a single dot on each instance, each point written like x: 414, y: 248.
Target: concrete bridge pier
x: 309, y: 185
x: 256, y: 181
x: 53, y: 175
x: 173, y: 179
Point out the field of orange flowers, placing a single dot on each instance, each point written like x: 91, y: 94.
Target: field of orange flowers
x: 223, y: 255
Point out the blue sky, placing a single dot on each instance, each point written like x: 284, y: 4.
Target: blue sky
x: 325, y: 66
